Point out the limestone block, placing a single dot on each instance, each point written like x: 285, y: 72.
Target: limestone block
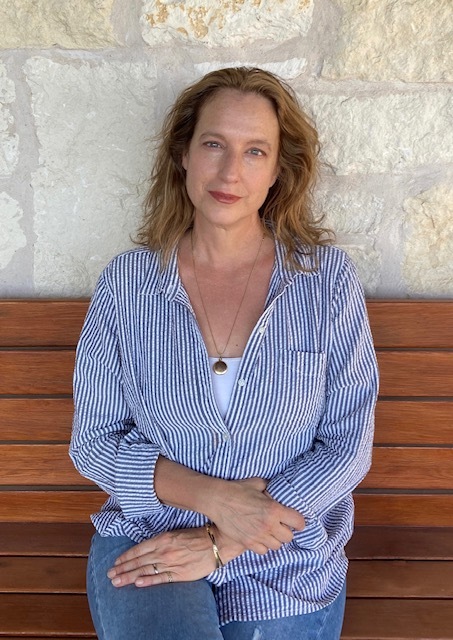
x: 12, y: 237
x: 368, y: 262
x: 9, y: 141
x: 383, y: 133
x: 92, y: 124
x: 350, y: 211
x: 428, y: 250
x: 72, y: 24
x: 286, y: 69
x: 355, y: 216
x: 225, y: 23
x: 409, y: 40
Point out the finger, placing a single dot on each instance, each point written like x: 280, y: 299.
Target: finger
x: 166, y: 577
x: 128, y: 566
x: 150, y: 573
x: 138, y: 551
x: 259, y: 548
x: 293, y: 519
x: 283, y: 533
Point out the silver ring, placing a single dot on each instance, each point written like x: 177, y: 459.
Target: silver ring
x: 156, y: 570
x: 169, y: 576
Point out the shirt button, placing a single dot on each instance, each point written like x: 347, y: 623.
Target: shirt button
x: 241, y: 382
x: 226, y: 437
x: 262, y: 329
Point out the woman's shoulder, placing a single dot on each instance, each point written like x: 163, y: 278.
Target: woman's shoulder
x: 130, y: 268
x: 132, y: 258
x: 323, y: 259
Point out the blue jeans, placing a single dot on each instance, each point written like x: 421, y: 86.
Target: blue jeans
x: 184, y: 610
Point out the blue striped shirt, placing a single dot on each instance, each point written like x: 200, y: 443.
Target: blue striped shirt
x: 300, y: 416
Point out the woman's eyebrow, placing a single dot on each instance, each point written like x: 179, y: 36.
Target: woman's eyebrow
x: 255, y: 141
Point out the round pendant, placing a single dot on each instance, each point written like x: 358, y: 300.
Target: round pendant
x: 219, y: 367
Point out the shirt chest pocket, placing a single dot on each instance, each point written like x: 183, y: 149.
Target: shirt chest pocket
x: 300, y: 383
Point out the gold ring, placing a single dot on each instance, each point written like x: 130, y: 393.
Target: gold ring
x: 156, y: 570
x: 169, y: 576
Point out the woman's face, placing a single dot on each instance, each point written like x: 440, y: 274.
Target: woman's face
x: 232, y: 159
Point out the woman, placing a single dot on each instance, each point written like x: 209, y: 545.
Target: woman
x: 225, y: 386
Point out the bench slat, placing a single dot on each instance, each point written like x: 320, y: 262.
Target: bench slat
x: 401, y: 543
x: 53, y: 323
x: 49, y: 506
x: 414, y: 422
x: 400, y: 579
x: 398, y: 619
x: 45, y: 539
x: 42, y: 575
x: 36, y: 372
x: 416, y: 373
x: 411, y: 510
x: 411, y: 323
x: 50, y: 614
x: 36, y: 419
x: 406, y: 468
x: 38, y: 464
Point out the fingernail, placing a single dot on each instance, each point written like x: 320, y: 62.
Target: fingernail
x: 111, y: 573
x: 116, y: 581
x: 139, y: 582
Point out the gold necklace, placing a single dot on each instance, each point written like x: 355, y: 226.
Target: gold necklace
x: 220, y: 366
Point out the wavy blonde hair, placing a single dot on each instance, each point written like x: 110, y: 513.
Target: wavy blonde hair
x: 168, y: 211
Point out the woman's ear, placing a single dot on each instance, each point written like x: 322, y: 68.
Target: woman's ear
x: 275, y: 176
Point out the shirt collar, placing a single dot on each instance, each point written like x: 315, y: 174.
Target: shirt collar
x: 168, y: 282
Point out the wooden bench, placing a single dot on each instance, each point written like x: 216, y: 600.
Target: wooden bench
x: 401, y: 574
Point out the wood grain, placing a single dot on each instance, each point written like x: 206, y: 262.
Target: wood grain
x: 49, y: 506
x: 36, y: 372
x: 53, y: 323
x: 410, y: 510
x: 38, y: 464
x: 42, y: 575
x: 412, y: 324
x: 400, y: 579
x: 45, y: 539
x: 401, y: 543
x: 414, y: 422
x: 416, y: 373
x: 398, y: 619
x: 36, y: 419
x: 47, y: 615
x: 406, y: 468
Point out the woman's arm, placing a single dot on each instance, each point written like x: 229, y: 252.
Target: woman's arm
x: 341, y: 453
x: 240, y: 509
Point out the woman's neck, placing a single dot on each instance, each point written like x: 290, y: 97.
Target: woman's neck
x: 221, y: 247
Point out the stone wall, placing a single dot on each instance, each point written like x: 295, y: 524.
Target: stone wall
x: 84, y: 85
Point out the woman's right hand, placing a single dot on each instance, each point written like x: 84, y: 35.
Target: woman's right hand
x: 245, y: 513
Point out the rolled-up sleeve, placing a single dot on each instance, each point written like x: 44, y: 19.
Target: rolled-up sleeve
x: 106, y: 446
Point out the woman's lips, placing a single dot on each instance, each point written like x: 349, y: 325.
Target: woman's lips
x: 225, y: 198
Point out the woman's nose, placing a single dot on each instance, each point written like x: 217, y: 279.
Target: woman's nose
x: 230, y: 168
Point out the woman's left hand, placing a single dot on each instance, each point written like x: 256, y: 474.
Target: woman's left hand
x: 174, y: 556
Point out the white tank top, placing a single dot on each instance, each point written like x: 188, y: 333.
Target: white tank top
x: 223, y: 385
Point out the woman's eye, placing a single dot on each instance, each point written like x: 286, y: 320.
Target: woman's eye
x: 212, y: 145
x: 256, y: 152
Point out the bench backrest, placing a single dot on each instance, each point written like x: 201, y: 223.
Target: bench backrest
x: 410, y: 484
